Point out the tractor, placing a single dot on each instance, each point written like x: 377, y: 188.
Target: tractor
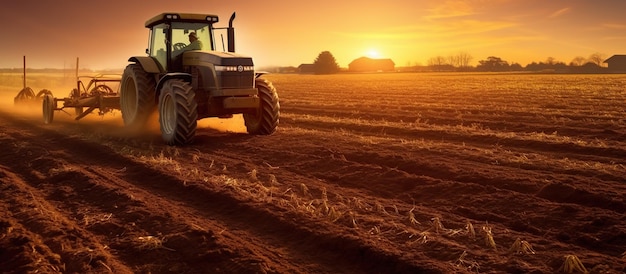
x: 185, y: 84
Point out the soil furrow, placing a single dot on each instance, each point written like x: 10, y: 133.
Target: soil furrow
x: 211, y: 204
x: 61, y: 244
x: 610, y: 154
x: 367, y: 173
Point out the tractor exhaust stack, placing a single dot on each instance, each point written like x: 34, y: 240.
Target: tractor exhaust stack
x: 231, y: 34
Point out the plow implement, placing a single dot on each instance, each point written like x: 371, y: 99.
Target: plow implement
x: 101, y: 92
x: 27, y: 96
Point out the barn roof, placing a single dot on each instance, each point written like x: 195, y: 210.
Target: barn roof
x: 616, y: 58
x: 371, y: 60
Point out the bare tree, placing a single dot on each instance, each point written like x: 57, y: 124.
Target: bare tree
x: 597, y: 58
x: 437, y: 61
x: 578, y: 61
x: 460, y: 60
x: 453, y: 60
x: 464, y: 59
x: 550, y: 60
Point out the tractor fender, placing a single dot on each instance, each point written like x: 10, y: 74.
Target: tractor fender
x: 149, y: 64
x: 174, y: 75
x: 258, y: 74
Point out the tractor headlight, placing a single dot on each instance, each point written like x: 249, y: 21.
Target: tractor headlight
x: 239, y: 68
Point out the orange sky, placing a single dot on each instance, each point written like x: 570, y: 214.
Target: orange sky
x: 283, y: 32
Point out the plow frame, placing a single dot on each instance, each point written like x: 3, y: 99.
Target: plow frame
x: 97, y: 94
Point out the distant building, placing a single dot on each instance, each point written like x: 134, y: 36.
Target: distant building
x: 290, y: 69
x: 366, y: 64
x: 306, y: 68
x: 617, y: 63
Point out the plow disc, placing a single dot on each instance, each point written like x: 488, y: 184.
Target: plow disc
x: 84, y: 99
x: 26, y: 96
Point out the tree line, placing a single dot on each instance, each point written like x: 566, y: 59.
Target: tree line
x: 325, y: 63
x: 461, y: 61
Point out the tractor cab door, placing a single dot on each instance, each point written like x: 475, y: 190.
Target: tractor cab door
x: 159, y: 44
x: 169, y: 42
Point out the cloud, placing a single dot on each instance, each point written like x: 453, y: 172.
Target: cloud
x: 614, y: 26
x: 559, y: 13
x: 450, y: 9
x: 614, y: 38
x: 431, y: 30
x: 470, y: 26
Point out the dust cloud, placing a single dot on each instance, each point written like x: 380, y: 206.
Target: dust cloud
x: 11, y: 84
x: 235, y: 124
x: 109, y: 123
x: 32, y: 109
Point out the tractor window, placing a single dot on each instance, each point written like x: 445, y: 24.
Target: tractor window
x: 158, y: 45
x: 181, y: 32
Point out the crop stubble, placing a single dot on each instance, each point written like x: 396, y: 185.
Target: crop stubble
x: 367, y: 173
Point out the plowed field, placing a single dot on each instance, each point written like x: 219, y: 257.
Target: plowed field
x: 373, y: 173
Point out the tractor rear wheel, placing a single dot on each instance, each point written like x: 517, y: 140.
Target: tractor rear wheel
x: 48, y: 107
x: 178, y: 112
x: 265, y: 120
x: 137, y: 96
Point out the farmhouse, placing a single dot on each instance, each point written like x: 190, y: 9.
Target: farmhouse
x: 365, y: 64
x: 617, y: 63
x: 306, y: 68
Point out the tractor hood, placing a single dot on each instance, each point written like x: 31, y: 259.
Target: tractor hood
x: 215, y: 58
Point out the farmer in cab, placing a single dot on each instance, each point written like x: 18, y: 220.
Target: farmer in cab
x: 194, y: 43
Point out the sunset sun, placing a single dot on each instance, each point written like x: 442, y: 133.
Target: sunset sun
x: 372, y: 53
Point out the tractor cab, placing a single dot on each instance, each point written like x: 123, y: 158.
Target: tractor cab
x: 171, y: 35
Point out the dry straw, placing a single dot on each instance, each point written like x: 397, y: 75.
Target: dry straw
x: 461, y: 262
x: 470, y: 230
x: 489, y: 237
x: 521, y: 247
x: 304, y: 189
x: 380, y: 208
x: 333, y: 215
x: 437, y: 225
x: 151, y: 242
x: 412, y: 217
x: 423, y: 238
x: 353, y: 218
x: 253, y: 176
x: 375, y: 230
x: 273, y: 180
x: 572, y: 265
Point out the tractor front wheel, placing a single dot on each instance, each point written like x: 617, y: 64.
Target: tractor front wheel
x: 178, y: 112
x: 265, y: 120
